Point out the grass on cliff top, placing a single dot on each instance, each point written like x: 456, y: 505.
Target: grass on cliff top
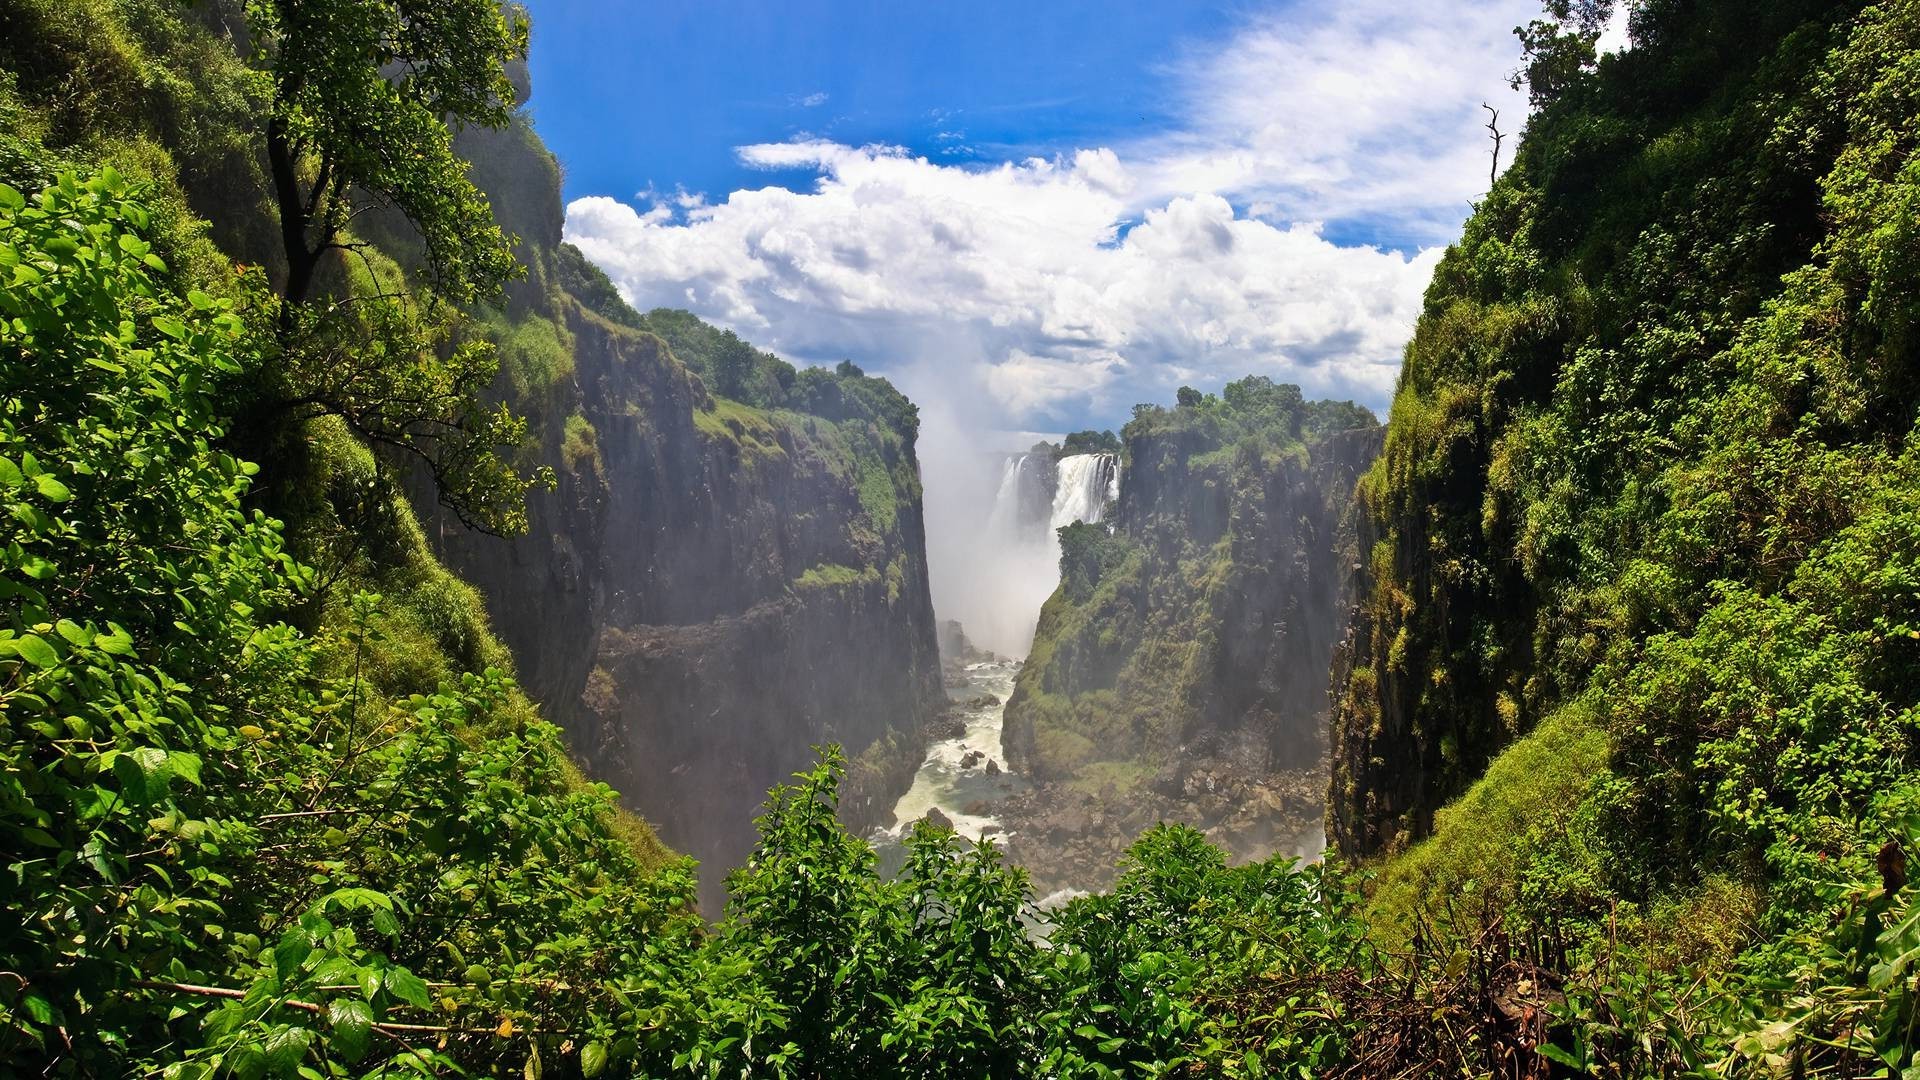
x: 1483, y: 842
x: 749, y: 430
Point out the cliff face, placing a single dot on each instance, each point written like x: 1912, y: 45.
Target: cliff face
x: 1627, y: 539
x: 712, y: 588
x: 1208, y: 615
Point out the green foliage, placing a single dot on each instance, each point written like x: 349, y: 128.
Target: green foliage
x: 1641, y: 596
x: 1089, y: 442
x: 729, y: 365
x: 1087, y: 553
x: 828, y: 575
x: 224, y: 858
x: 581, y: 447
x: 363, y: 92
x: 1191, y: 966
x: 590, y: 285
x: 398, y: 377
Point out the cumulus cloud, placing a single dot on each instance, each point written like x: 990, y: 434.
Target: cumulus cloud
x: 1286, y: 226
x: 1366, y: 110
x: 1060, y: 289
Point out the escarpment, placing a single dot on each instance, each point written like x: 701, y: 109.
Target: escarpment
x: 714, y: 586
x: 1184, y: 655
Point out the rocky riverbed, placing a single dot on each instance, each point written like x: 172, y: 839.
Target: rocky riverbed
x: 1071, y: 838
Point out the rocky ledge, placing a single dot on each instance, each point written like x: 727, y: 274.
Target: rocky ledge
x: 1068, y: 836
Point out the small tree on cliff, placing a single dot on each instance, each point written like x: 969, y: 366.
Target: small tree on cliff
x: 1560, y: 48
x: 363, y: 92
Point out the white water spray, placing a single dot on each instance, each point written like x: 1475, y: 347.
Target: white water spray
x: 1087, y: 482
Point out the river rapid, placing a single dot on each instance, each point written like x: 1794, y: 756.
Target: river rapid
x: 955, y: 779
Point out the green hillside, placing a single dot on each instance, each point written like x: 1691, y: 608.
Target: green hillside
x: 1623, y: 742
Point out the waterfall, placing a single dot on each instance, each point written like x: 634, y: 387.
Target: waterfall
x: 1018, y: 550
x: 1087, y: 482
x: 1023, y: 503
x: 1005, y: 518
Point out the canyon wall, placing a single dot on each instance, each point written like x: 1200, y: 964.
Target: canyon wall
x: 1180, y: 669
x: 712, y: 588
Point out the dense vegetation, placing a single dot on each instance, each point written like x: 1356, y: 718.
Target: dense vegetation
x: 1643, y: 567
x: 1643, y: 558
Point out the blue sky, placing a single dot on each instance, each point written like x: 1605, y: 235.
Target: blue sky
x: 1030, y: 215
x: 1033, y: 215
x: 658, y: 95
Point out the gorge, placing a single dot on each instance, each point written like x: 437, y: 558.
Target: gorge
x: 430, y: 646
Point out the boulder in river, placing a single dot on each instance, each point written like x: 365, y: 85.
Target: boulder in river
x: 993, y: 767
x: 937, y: 819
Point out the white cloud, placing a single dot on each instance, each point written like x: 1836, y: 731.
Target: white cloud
x: 1616, y: 36
x: 1366, y: 108
x: 1056, y: 291
x: 813, y: 100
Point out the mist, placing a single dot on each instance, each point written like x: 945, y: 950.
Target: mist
x: 982, y: 572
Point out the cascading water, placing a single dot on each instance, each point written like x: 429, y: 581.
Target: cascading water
x: 1086, y: 483
x: 1021, y: 497
x: 1036, y: 496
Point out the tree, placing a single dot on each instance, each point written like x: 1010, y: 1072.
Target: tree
x: 1560, y: 48
x: 1188, y: 397
x: 363, y: 93
x: 734, y: 366
x: 1090, y: 442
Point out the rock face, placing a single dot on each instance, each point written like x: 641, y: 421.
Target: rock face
x: 711, y: 589
x: 1194, y: 639
x: 1214, y: 608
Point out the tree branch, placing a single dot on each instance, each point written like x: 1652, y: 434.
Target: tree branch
x: 1493, y: 125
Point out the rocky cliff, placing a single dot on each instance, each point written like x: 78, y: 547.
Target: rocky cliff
x: 1184, y: 656
x: 1636, y: 640
x: 712, y: 588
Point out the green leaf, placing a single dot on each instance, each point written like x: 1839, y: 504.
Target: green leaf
x: 143, y: 774
x: 293, y: 950
x: 184, y: 765
x: 355, y: 899
x: 52, y: 489
x: 593, y: 1058
x: 1559, y: 1057
x: 170, y: 326
x: 11, y: 199
x: 352, y: 1022
x: 38, y: 1008
x: 286, y: 1047
x: 116, y: 641
x: 407, y: 987
x: 34, y: 650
